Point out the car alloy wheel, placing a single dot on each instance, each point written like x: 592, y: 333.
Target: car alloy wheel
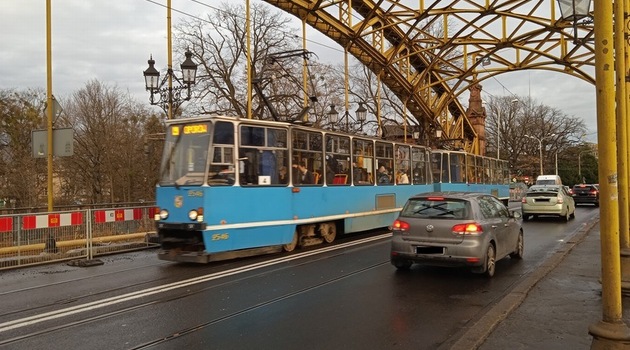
x: 520, y: 245
x: 490, y: 261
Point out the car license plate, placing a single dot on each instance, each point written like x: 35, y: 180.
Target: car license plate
x: 429, y: 250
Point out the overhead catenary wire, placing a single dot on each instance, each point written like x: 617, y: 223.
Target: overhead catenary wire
x: 289, y: 33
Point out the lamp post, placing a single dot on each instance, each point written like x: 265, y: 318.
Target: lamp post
x: 575, y: 10
x: 170, y: 98
x: 514, y: 101
x: 333, y: 116
x: 416, y: 136
x: 438, y: 137
x: 361, y: 113
x: 540, y: 140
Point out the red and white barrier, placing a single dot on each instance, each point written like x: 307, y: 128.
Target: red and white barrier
x: 30, y: 222
x: 101, y: 216
x: 6, y: 224
x: 51, y: 220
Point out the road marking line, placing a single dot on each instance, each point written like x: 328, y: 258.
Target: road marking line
x: 31, y: 320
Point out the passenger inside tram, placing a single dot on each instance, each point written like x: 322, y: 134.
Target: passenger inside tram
x: 383, y: 176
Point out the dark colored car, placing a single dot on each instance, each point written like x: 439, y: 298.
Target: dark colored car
x: 586, y: 193
x: 456, y: 229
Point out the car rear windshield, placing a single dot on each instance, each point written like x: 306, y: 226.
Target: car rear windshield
x: 436, y: 208
x: 539, y: 188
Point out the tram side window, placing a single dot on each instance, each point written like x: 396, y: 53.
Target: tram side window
x: 487, y: 171
x: 419, y: 160
x: 385, y: 163
x: 222, y: 170
x: 337, y: 160
x: 362, y: 162
x: 470, y: 169
x: 440, y: 167
x: 262, y: 153
x: 307, y: 158
x: 479, y: 169
x: 506, y: 172
x: 495, y: 173
x: 402, y: 165
x: 458, y: 166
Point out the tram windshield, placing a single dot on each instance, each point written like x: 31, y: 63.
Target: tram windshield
x: 185, y: 157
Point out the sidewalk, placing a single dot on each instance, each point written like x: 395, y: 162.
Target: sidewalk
x: 553, y: 307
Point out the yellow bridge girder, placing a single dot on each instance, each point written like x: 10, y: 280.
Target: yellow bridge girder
x: 430, y: 54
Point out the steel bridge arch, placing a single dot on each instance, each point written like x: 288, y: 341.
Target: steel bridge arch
x: 432, y: 53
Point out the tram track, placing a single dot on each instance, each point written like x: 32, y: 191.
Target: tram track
x: 201, y: 326
x: 181, y: 292
x: 182, y: 273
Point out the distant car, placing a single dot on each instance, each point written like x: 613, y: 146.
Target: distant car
x: 547, y: 200
x: 586, y: 193
x: 548, y: 180
x: 456, y: 229
x: 569, y: 190
x: 517, y: 191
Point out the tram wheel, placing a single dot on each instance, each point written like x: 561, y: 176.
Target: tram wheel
x: 289, y: 247
x: 328, y: 231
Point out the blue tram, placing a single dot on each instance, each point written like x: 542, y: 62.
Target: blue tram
x: 231, y: 187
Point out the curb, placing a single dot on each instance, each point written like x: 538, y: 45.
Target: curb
x: 475, y: 336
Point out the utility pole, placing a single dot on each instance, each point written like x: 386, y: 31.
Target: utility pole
x: 611, y: 332
x: 49, y: 102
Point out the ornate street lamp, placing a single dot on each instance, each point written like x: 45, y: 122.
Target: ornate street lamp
x: 170, y: 98
x: 575, y: 10
x: 333, y: 116
x: 361, y: 113
x: 416, y: 136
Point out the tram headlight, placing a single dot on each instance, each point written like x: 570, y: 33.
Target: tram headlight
x: 196, y: 214
x: 163, y: 214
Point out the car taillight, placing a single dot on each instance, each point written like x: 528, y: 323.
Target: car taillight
x: 524, y: 200
x: 400, y: 225
x: 560, y: 199
x: 593, y: 192
x: 467, y: 229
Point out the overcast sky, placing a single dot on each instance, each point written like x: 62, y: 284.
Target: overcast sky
x: 111, y: 41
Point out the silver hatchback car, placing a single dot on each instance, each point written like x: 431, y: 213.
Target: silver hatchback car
x: 456, y: 229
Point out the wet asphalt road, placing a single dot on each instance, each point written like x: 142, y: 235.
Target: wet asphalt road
x: 346, y: 295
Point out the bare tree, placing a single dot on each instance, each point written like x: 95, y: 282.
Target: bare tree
x: 109, y: 163
x: 219, y: 45
x: 23, y: 177
x: 556, y: 131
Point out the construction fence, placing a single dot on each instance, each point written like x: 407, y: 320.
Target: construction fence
x: 27, y: 239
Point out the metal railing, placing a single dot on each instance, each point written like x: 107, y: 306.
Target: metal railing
x: 37, y: 238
